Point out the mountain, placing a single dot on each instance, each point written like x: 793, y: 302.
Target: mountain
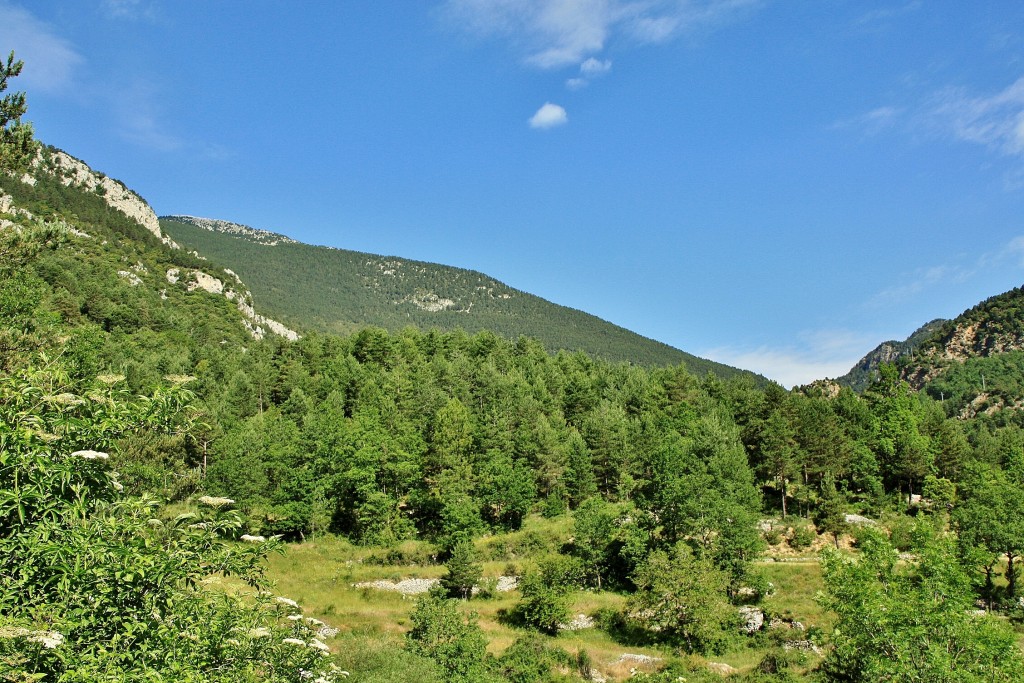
x: 972, y: 364
x: 340, y: 291
x: 102, y: 281
x: 861, y: 374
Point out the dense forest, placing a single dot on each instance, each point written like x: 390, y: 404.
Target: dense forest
x: 153, y: 455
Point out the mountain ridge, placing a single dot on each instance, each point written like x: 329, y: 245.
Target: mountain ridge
x: 336, y: 290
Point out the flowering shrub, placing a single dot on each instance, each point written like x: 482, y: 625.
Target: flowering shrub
x: 95, y: 586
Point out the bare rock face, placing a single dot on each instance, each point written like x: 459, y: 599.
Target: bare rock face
x: 71, y: 171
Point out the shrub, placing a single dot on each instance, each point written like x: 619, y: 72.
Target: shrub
x: 802, y: 537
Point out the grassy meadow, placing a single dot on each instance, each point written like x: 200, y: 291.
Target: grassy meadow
x: 321, y: 574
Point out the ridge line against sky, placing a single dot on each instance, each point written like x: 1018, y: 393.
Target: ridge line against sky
x: 779, y: 186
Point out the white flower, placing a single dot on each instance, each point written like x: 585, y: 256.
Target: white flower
x: 319, y: 645
x: 90, y: 455
x: 294, y: 617
x: 118, y: 486
x: 294, y: 641
x: 215, y: 502
x: 49, y: 639
x: 287, y: 601
x: 259, y: 633
x: 110, y: 379
x: 252, y: 539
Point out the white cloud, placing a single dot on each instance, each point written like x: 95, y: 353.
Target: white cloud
x: 595, y: 67
x: 557, y: 33
x: 819, y: 354
x: 995, y: 121
x: 130, y: 9
x: 873, y: 122
x: 920, y: 280
x: 549, y: 116
x: 49, y: 59
x: 590, y: 69
x: 1015, y: 249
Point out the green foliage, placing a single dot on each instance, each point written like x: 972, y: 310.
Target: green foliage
x: 545, y: 593
x: 94, y: 584
x: 912, y: 622
x: 681, y: 599
x: 801, y: 537
x: 16, y: 144
x: 990, y: 523
x: 453, y: 641
x: 531, y: 660
x: 463, y: 571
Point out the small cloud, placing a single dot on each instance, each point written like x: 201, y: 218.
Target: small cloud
x: 595, y: 67
x: 49, y: 59
x: 131, y: 10
x: 873, y: 122
x: 590, y: 69
x: 918, y: 281
x: 1016, y: 247
x: 882, y: 17
x: 549, y: 116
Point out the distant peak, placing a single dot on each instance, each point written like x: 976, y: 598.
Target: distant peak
x: 265, y: 237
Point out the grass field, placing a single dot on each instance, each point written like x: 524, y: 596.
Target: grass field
x: 321, y: 575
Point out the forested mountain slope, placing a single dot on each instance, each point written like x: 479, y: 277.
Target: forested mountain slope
x: 340, y: 291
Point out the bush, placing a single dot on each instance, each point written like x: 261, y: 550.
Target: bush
x: 802, y: 537
x: 118, y: 589
x: 455, y: 643
x: 544, y: 604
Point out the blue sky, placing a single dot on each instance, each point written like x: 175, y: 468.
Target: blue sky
x: 775, y: 184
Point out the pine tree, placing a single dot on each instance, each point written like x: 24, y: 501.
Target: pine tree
x: 17, y: 147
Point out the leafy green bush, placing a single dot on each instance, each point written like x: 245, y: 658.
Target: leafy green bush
x: 94, y: 585
x: 802, y: 537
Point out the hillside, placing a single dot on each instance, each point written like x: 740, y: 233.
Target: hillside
x: 974, y: 364
x: 863, y: 373
x: 102, y: 279
x: 341, y: 291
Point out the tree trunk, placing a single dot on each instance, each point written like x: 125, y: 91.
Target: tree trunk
x: 1011, y: 576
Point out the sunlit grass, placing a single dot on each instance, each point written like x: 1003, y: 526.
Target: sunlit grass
x: 321, y: 575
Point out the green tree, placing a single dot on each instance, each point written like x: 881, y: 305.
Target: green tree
x: 830, y: 516
x: 17, y: 147
x: 440, y: 632
x: 990, y: 522
x: 545, y: 593
x: 463, y: 571
x: 680, y: 598
x: 99, y: 585
x: 909, y: 622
